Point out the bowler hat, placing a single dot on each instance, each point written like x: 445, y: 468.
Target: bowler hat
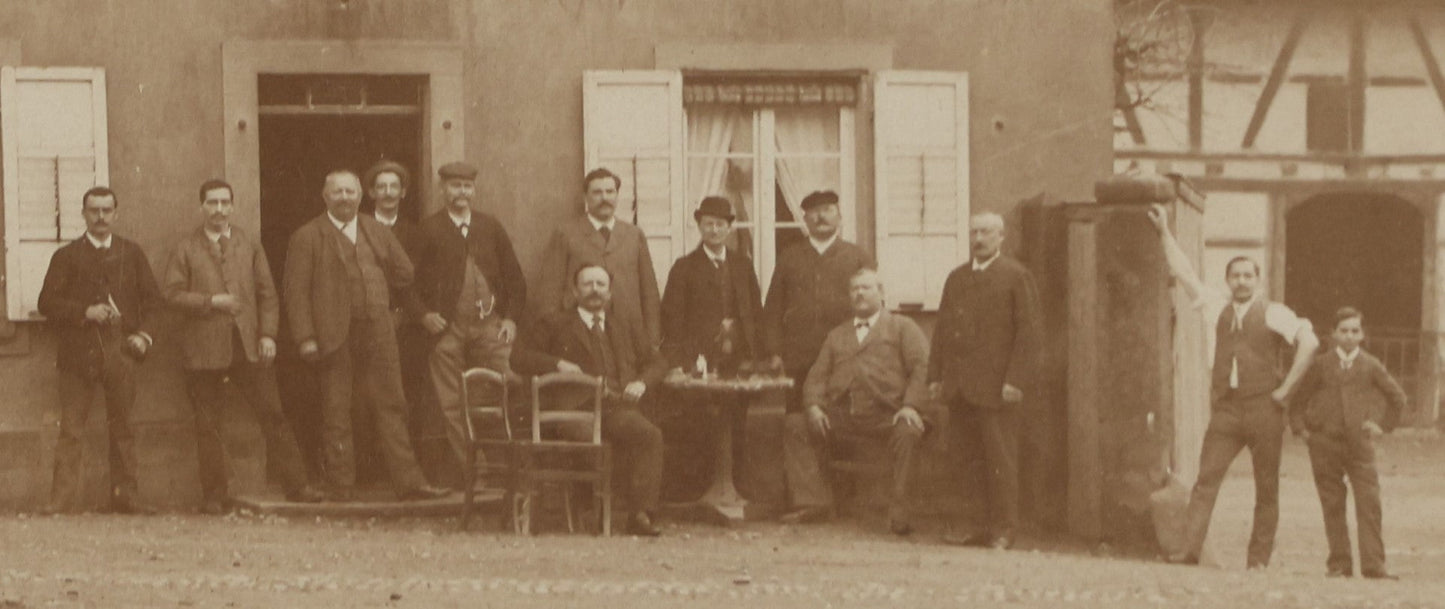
x: 460, y: 170
x: 717, y: 207
x: 819, y: 197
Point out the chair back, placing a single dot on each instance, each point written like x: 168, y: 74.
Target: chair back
x: 502, y: 410
x: 573, y: 385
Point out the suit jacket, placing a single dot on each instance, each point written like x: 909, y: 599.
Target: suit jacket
x: 196, y: 272
x: 80, y: 276
x: 886, y: 372
x: 692, y: 307
x: 1330, y: 396
x: 318, y: 299
x: 987, y: 332
x: 561, y: 335
x: 634, y: 282
x: 441, y: 255
x: 408, y: 235
x: 807, y: 297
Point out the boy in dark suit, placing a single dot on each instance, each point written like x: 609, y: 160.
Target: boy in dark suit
x: 1346, y: 400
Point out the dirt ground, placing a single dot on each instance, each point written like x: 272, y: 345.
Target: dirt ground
x: 185, y: 560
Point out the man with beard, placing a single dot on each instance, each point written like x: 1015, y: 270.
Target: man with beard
x: 1248, y: 393
x: 99, y: 296
x: 598, y: 237
x: 340, y: 270
x: 219, y: 279
x: 869, y: 380
x: 712, y: 298
x: 589, y: 339
x: 469, y: 292
x: 808, y: 295
x: 983, y: 360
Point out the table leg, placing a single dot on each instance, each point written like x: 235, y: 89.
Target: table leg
x: 723, y: 495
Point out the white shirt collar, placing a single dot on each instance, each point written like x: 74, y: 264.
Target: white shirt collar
x: 214, y: 236
x: 983, y: 266
x: 99, y: 243
x: 719, y: 257
x: 341, y: 226
x: 384, y: 220
x: 1240, y: 308
x: 822, y: 246
x: 587, y: 317
x: 872, y: 319
x: 460, y: 220
x: 1347, y: 358
x: 611, y: 223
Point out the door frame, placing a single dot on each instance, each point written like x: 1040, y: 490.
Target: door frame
x: 443, y: 113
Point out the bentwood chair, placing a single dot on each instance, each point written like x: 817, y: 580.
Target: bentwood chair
x: 490, y: 446
x: 551, y: 459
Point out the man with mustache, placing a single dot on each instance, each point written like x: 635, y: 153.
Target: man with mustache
x: 984, y: 347
x: 100, y: 297
x: 220, y: 281
x: 468, y: 294
x: 808, y: 295
x: 869, y: 380
x: 340, y: 270
x: 589, y: 338
x: 599, y: 237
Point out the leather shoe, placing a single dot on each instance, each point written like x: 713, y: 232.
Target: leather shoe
x: 1385, y: 575
x: 1002, y: 542
x: 900, y: 527
x: 342, y: 494
x: 804, y: 515
x: 973, y: 540
x: 306, y: 494
x: 424, y: 492
x: 1338, y: 573
x: 641, y: 524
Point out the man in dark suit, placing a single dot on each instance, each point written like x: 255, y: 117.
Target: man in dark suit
x: 983, y: 358
x: 869, y: 380
x: 586, y: 338
x: 386, y: 183
x: 100, y: 297
x: 469, y: 291
x: 219, y: 280
x: 808, y: 295
x: 712, y: 305
x: 598, y: 237
x: 340, y: 270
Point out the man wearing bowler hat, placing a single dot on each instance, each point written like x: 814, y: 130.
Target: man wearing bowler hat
x: 711, y: 308
x: 808, y: 295
x: 468, y: 294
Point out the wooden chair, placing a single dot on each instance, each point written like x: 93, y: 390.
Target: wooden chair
x: 496, y: 448
x: 858, y: 465
x: 543, y: 461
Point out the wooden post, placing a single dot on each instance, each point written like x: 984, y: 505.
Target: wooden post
x: 1086, y: 476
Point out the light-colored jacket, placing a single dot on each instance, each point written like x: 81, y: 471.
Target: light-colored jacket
x: 886, y: 372
x: 634, y: 282
x: 196, y: 272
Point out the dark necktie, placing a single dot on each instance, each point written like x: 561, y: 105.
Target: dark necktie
x: 606, y: 234
x: 860, y: 324
x: 604, y: 350
x: 225, y: 244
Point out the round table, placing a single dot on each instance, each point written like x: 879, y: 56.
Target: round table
x: 722, y: 496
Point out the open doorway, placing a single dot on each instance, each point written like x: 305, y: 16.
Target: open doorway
x: 1364, y: 250
x: 308, y: 126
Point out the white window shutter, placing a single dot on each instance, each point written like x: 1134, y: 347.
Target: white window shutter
x: 55, y: 148
x: 922, y: 182
x: 632, y: 124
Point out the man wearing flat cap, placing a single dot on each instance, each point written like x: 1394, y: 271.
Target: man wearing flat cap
x: 468, y: 294
x: 712, y: 305
x: 600, y: 237
x: 808, y: 295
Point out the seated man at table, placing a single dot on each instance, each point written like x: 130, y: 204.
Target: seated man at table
x: 587, y: 339
x: 869, y: 380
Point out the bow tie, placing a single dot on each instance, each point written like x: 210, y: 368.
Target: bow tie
x: 860, y: 323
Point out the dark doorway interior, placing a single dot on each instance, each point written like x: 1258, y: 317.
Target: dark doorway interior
x: 304, y: 135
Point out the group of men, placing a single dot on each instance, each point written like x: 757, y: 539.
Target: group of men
x: 371, y: 299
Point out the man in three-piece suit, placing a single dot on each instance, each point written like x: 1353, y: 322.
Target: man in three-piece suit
x: 712, y: 304
x: 340, y: 270
x: 869, y: 380
x: 100, y: 297
x: 468, y: 293
x: 808, y: 295
x: 598, y: 237
x: 983, y: 356
x: 588, y: 338
x: 220, y: 281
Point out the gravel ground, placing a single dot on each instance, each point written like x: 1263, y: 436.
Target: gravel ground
x: 244, y: 561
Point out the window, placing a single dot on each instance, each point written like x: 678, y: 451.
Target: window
x: 54, y: 130
x: 765, y: 142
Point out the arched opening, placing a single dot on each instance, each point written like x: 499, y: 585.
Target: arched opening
x: 1364, y: 250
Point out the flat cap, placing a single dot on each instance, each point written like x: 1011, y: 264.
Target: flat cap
x: 458, y: 170
x: 819, y: 197
x: 715, y: 206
